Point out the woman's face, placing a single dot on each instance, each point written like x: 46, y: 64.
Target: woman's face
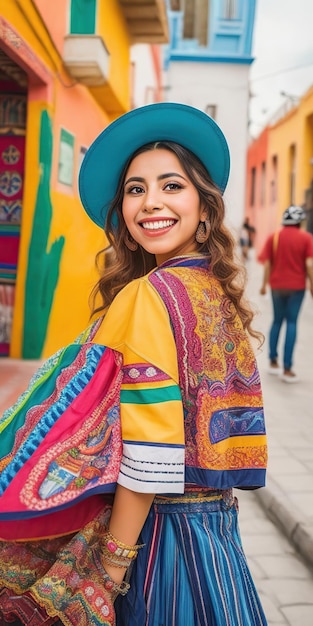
x: 161, y: 206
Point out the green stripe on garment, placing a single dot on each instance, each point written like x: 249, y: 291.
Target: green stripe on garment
x: 150, y: 396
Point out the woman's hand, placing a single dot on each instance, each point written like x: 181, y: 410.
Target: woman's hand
x: 129, y: 513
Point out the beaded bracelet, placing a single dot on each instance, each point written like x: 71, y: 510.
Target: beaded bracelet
x: 115, y: 547
x: 122, y: 561
x: 111, y: 586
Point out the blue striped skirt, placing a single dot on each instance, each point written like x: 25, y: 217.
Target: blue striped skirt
x: 192, y: 570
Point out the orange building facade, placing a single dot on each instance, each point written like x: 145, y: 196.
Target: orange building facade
x: 65, y: 73
x: 280, y: 169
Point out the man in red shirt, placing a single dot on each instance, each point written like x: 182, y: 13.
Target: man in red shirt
x: 288, y: 262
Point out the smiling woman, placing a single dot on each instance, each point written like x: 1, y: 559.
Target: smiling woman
x: 154, y: 414
x: 161, y: 208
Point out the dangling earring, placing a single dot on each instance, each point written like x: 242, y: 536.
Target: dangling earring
x: 203, y: 231
x: 130, y: 243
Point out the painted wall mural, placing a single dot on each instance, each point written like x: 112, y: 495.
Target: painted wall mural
x: 43, y: 261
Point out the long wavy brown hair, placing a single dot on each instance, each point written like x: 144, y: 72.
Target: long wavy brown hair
x: 118, y: 265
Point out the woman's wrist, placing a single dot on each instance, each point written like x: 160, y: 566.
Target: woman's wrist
x: 116, y: 573
x: 117, y: 556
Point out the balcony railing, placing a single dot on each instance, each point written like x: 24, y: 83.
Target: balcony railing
x: 86, y: 59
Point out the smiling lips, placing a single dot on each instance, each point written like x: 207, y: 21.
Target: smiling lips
x: 157, y: 225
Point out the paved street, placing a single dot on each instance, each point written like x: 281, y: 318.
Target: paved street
x: 276, y: 552
x: 284, y: 582
x: 276, y: 522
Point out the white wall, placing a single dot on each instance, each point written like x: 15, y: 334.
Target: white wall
x: 225, y: 85
x: 144, y: 82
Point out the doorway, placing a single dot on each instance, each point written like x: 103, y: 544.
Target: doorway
x: 13, y: 105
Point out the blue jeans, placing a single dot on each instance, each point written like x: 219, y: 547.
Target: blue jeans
x: 286, y: 306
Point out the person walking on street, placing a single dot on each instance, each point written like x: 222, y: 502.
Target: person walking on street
x: 246, y: 239
x: 158, y: 406
x: 288, y: 264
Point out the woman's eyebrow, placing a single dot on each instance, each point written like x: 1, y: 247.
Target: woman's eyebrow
x: 139, y: 179
x: 134, y: 178
x: 169, y: 175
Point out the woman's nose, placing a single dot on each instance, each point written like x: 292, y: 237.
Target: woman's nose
x: 153, y: 202
x: 153, y: 198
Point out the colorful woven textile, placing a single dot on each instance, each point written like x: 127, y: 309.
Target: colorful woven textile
x: 61, y: 443
x: 161, y: 396
x: 221, y: 389
x: 178, y: 319
x: 193, y: 571
x: 7, y: 294
x: 62, y: 576
x: 9, y: 247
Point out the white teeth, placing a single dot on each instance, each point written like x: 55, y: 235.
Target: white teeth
x: 159, y: 224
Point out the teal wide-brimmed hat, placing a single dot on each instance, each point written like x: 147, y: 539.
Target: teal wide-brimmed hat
x: 165, y: 121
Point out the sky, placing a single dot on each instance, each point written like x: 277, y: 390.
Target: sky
x: 283, y: 52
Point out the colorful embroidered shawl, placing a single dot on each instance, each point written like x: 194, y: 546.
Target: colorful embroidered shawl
x: 188, y: 400
x: 61, y: 443
x: 171, y: 366
x: 179, y: 319
x: 222, y: 398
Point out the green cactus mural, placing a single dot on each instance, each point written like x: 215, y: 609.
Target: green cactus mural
x: 43, y: 265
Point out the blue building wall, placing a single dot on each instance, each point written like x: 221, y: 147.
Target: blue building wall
x: 230, y: 30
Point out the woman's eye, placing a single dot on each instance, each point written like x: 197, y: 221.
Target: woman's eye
x: 135, y: 189
x: 173, y: 186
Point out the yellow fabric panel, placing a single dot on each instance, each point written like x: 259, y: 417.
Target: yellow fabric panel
x: 137, y: 320
x: 131, y: 357
x: 234, y: 453
x: 247, y: 441
x: 155, y: 423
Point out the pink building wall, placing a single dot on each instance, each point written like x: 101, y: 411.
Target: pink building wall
x: 261, y: 189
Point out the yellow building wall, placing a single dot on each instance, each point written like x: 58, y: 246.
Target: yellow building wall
x: 113, y: 97
x: 111, y: 26
x: 292, y: 130
x: 82, y: 117
x: 83, y: 112
x: 281, y: 137
x: 24, y: 17
x: 307, y: 109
